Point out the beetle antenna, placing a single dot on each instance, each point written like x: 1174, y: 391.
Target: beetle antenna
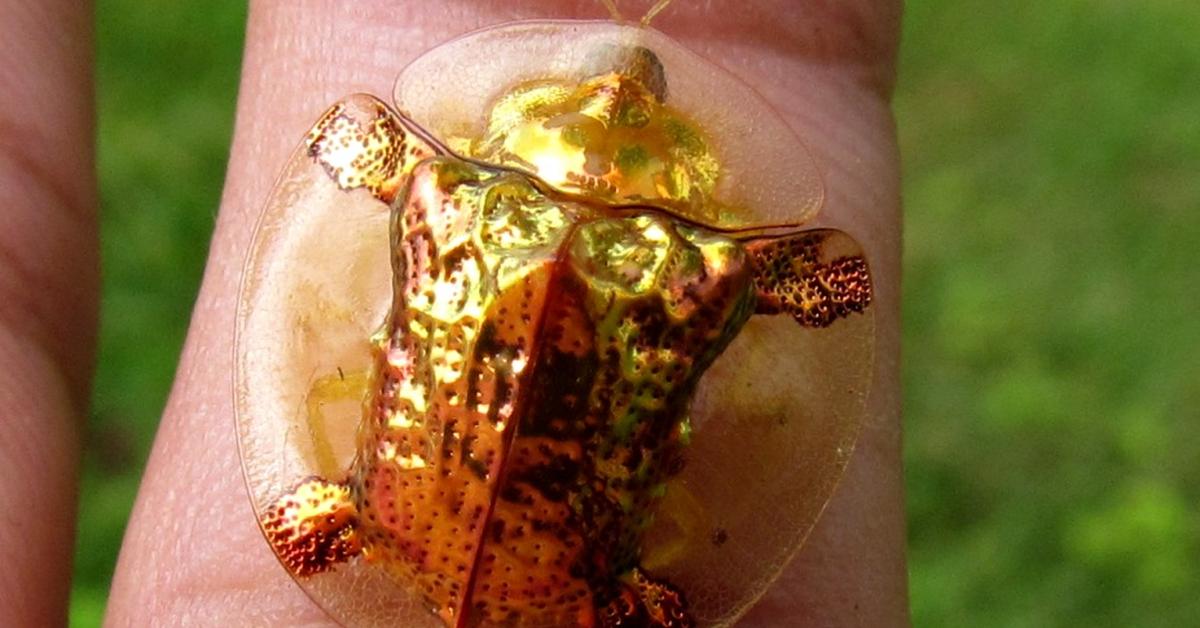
x: 612, y: 10
x: 654, y: 10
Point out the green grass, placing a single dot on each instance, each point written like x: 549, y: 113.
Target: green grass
x: 1052, y: 165
x: 1052, y: 156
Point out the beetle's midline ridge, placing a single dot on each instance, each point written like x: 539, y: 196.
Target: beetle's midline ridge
x: 462, y: 613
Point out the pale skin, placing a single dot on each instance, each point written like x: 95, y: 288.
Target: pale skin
x: 193, y: 554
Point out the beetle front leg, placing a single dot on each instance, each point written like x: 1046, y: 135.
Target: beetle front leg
x: 689, y: 520
x: 361, y: 142
x: 332, y: 388
x: 816, y: 276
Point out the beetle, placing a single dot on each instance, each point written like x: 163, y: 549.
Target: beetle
x: 559, y: 251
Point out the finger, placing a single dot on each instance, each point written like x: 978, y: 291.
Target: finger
x: 48, y: 296
x: 835, y: 89
x: 193, y: 549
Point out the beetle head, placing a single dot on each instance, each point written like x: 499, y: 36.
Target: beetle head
x: 637, y: 64
x: 609, y: 135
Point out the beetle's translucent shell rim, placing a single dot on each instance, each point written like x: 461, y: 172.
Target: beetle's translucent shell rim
x: 297, y: 325
x: 768, y: 173
x: 774, y: 429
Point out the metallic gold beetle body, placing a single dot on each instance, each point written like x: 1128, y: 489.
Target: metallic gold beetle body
x: 557, y: 295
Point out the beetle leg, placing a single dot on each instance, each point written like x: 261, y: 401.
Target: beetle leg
x: 688, y: 518
x: 361, y: 142
x: 816, y: 276
x: 314, y: 527
x: 331, y: 388
x: 644, y: 602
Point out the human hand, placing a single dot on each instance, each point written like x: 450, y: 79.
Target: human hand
x: 193, y: 553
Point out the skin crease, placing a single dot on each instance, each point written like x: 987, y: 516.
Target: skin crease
x: 193, y: 554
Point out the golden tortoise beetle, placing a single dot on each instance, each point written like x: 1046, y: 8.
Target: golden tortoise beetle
x: 576, y: 235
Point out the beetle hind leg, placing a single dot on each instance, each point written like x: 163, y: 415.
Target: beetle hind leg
x: 314, y: 527
x: 644, y: 602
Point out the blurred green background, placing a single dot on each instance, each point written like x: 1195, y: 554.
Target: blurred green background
x: 1052, y: 175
